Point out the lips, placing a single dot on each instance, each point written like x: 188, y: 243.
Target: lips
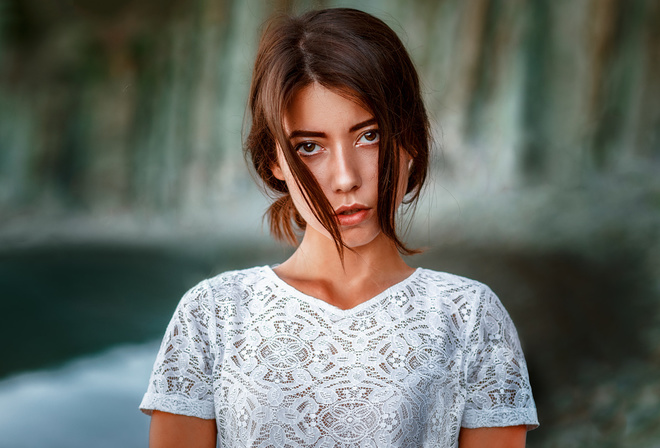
x: 351, y: 215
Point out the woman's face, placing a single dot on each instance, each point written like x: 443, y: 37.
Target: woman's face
x: 338, y: 140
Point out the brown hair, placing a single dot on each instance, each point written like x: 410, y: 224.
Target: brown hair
x: 360, y: 57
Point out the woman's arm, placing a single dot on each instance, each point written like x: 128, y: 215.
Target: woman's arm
x: 505, y: 437
x: 180, y: 431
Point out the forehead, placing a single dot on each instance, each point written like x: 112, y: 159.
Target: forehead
x: 315, y: 107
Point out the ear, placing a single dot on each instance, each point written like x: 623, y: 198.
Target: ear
x: 277, y: 171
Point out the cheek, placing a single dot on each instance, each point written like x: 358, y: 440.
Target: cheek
x: 296, y: 194
x: 282, y: 171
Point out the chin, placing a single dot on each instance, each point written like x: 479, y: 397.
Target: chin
x: 355, y: 240
x: 352, y: 237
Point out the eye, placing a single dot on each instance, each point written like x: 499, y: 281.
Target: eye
x: 369, y: 137
x: 308, y: 149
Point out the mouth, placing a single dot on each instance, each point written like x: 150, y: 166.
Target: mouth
x: 350, y: 212
x: 347, y: 210
x: 351, y: 215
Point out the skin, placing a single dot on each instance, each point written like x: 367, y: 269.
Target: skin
x: 180, y: 431
x: 345, y: 163
x: 506, y: 437
x: 338, y: 141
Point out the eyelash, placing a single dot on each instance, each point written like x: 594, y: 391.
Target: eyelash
x: 300, y: 147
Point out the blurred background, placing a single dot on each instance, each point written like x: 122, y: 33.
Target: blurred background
x: 123, y: 183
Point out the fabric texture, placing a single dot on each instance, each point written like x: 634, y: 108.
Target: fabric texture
x: 277, y: 368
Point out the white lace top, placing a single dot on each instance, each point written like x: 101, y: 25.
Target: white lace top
x: 277, y: 368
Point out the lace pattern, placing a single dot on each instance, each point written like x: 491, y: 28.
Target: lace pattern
x: 277, y: 368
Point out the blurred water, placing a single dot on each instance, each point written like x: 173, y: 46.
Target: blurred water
x: 69, y: 300
x: 88, y: 402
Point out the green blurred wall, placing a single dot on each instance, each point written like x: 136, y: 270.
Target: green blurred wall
x: 138, y: 104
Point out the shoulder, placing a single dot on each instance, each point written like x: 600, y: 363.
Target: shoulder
x: 240, y: 277
x: 225, y: 296
x: 476, y: 311
x: 465, y: 299
x: 238, y: 285
x: 443, y: 285
x: 230, y: 284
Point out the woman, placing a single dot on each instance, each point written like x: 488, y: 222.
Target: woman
x: 343, y: 344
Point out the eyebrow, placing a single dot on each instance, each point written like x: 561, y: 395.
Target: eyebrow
x: 355, y: 127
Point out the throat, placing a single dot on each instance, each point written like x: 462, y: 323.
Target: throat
x: 342, y: 291
x: 315, y: 269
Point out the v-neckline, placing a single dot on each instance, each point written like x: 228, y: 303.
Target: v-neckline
x: 315, y: 301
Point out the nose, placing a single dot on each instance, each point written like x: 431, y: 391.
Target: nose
x: 346, y: 170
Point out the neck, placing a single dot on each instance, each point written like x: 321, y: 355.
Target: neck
x: 316, y: 269
x: 319, y: 252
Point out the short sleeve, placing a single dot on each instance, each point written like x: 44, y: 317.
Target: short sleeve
x: 181, y: 381
x: 497, y: 382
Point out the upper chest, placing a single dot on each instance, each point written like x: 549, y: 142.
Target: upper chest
x: 398, y: 334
